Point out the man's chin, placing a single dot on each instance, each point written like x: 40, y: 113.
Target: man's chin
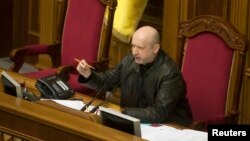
x: 138, y: 61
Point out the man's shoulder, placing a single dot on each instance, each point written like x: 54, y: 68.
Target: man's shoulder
x: 166, y: 60
x: 167, y: 64
x: 128, y: 58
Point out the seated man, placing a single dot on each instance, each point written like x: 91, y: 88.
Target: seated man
x: 152, y: 86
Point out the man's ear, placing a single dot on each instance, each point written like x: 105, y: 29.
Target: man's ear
x: 156, y: 48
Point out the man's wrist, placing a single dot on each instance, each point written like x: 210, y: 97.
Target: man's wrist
x: 83, y: 79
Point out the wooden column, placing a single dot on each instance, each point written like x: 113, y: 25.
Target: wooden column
x: 50, y: 14
x: 239, y: 17
x: 6, y: 27
x: 47, y: 31
x: 171, y: 17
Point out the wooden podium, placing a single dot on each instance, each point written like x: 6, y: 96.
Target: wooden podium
x: 43, y: 120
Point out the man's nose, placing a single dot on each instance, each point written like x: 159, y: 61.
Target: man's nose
x: 134, y: 51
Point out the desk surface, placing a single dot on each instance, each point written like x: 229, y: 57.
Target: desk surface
x: 41, y: 121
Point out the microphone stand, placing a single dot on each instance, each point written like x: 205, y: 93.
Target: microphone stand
x: 110, y: 95
x: 105, y: 86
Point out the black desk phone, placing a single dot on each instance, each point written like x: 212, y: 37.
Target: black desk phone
x: 53, y: 87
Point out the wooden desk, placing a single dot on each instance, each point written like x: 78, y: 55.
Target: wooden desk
x: 39, y: 121
x: 30, y: 84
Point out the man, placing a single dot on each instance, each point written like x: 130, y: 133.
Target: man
x: 152, y: 86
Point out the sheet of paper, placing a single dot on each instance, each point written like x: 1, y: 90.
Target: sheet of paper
x: 147, y: 129
x: 75, y: 104
x: 163, y: 133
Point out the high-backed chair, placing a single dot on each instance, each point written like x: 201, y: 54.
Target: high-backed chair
x: 212, y: 65
x: 81, y: 36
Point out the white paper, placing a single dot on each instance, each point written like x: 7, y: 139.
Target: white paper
x: 168, y: 133
x: 74, y: 104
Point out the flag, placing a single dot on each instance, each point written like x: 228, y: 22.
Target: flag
x: 127, y: 16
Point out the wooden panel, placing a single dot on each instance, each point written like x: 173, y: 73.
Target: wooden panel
x: 33, y: 22
x: 47, y: 32
x: 13, y: 25
x: 47, y: 123
x: 170, y: 27
x: 20, y: 23
x: 6, y: 24
x: 207, y: 7
x: 44, y: 121
x: 239, y: 17
x: 153, y: 15
x: 210, y: 7
x: 239, y: 14
x: 245, y: 99
x: 118, y: 51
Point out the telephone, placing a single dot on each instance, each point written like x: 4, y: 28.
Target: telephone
x: 52, y: 87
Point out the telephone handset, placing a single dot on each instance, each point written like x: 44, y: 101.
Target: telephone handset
x: 52, y: 87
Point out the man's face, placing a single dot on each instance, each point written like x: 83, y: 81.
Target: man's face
x: 143, y: 52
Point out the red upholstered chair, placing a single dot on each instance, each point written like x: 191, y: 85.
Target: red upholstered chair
x: 212, y: 65
x: 81, y: 36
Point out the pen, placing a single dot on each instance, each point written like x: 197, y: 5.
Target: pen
x: 80, y: 61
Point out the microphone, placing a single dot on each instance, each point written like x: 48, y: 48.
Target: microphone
x: 103, y: 88
x: 111, y: 93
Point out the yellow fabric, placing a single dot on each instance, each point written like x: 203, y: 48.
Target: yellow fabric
x: 127, y: 16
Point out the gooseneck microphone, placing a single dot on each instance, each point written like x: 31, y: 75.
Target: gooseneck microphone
x: 111, y: 93
x: 104, y: 87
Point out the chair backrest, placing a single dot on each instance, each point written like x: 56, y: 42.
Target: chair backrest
x: 82, y: 29
x: 212, y: 65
